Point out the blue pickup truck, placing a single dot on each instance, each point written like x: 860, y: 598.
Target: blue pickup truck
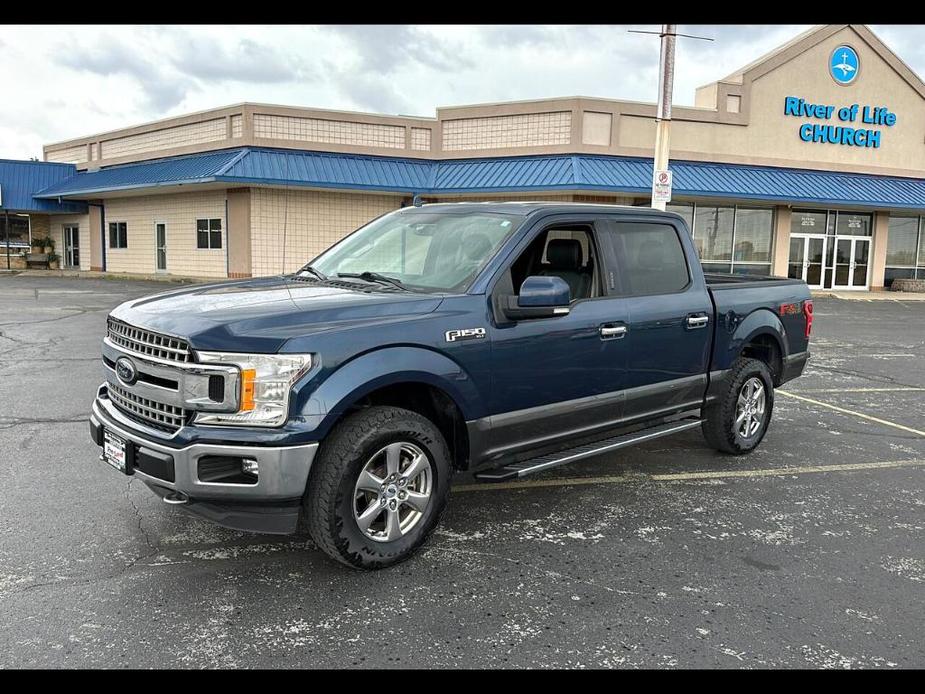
x: 501, y: 339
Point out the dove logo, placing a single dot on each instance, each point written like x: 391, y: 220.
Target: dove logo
x: 844, y: 65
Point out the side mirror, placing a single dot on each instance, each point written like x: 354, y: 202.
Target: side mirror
x: 540, y: 297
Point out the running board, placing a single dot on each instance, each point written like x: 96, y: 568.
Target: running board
x: 551, y: 460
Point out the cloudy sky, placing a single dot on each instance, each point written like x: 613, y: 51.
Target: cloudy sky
x: 63, y: 82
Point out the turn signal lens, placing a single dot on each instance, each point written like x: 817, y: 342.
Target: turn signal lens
x: 248, y: 376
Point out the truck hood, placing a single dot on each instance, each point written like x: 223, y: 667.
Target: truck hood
x: 260, y: 315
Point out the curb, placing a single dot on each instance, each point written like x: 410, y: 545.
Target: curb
x: 81, y: 274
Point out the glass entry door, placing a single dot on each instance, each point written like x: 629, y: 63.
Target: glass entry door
x: 806, y: 257
x: 160, y: 246
x: 851, y: 263
x: 71, y: 247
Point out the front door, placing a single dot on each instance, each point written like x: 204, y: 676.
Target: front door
x: 562, y: 376
x: 851, y: 263
x: 71, y: 247
x: 806, y: 259
x: 160, y: 245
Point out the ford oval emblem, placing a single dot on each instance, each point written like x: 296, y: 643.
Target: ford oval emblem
x: 126, y: 371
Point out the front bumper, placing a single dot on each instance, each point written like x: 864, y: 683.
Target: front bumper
x: 271, y: 505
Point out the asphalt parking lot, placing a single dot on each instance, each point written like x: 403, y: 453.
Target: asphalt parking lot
x: 808, y: 553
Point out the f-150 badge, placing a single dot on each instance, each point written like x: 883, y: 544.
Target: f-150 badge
x: 465, y: 334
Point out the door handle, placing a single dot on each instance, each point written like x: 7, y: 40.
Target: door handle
x: 612, y: 332
x: 697, y: 321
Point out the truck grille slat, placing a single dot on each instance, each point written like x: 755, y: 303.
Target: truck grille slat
x: 158, y: 414
x: 147, y: 343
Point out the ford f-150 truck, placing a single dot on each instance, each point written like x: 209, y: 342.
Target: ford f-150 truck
x: 500, y: 339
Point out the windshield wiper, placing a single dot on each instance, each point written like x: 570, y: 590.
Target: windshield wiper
x: 317, y: 273
x: 375, y: 277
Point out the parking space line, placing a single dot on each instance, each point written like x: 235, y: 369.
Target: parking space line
x: 852, y: 412
x: 681, y: 476
x: 901, y: 389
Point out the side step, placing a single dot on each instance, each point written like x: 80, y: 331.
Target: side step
x: 551, y: 460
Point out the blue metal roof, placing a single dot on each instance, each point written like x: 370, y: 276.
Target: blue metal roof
x: 595, y: 173
x: 327, y: 170
x: 194, y: 168
x: 19, y: 180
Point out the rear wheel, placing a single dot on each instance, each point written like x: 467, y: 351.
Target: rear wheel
x: 378, y: 487
x: 737, y: 422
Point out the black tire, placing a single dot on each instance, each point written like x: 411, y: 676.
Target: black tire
x: 330, y: 495
x: 719, y: 427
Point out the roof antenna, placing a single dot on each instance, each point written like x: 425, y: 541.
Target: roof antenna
x: 416, y: 200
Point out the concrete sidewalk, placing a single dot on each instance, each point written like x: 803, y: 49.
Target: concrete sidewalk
x: 872, y: 296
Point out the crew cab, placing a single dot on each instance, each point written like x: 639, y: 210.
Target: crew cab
x: 499, y: 339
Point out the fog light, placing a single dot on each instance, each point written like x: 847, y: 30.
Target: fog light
x: 249, y: 466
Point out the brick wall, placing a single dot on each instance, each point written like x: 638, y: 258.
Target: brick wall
x: 328, y: 131
x: 179, y: 212
x: 496, y: 132
x: 289, y: 228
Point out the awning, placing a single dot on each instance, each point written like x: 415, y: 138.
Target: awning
x: 592, y: 173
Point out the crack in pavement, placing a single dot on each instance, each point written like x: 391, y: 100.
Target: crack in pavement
x: 11, y: 422
x: 137, y: 512
x: 75, y: 312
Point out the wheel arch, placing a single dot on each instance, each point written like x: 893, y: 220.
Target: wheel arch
x: 415, y: 379
x: 761, y: 336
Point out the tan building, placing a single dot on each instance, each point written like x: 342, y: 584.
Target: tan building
x: 807, y: 162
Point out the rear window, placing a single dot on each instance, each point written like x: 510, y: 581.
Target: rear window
x: 653, y: 258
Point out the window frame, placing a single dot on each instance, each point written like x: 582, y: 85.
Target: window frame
x: 209, y: 231
x: 124, y: 225
x: 619, y: 257
x: 599, y: 226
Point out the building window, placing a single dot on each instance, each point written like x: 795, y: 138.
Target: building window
x: 208, y: 233
x: 118, y: 235
x: 713, y: 227
x: 17, y: 232
x: 730, y: 238
x: 905, y: 249
x: 685, y: 209
x: 853, y: 224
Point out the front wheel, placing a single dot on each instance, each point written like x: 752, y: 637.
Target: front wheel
x: 378, y: 487
x: 739, y: 419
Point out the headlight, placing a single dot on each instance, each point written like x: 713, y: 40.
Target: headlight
x: 266, y: 381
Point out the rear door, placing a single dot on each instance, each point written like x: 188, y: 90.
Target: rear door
x: 670, y: 316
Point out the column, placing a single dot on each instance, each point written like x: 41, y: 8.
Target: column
x: 781, y: 241
x: 96, y: 238
x: 239, y: 233
x: 878, y: 249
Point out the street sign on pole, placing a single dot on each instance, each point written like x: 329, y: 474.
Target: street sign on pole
x: 661, y: 187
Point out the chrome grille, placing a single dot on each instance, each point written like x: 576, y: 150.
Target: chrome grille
x: 158, y: 414
x: 147, y: 343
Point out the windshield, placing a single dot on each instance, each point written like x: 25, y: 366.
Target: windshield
x: 426, y: 251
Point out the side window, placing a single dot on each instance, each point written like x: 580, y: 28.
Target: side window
x: 118, y: 235
x: 653, y: 258
x: 565, y: 251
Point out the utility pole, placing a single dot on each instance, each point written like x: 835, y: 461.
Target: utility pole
x: 663, y: 113
x: 665, y: 88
